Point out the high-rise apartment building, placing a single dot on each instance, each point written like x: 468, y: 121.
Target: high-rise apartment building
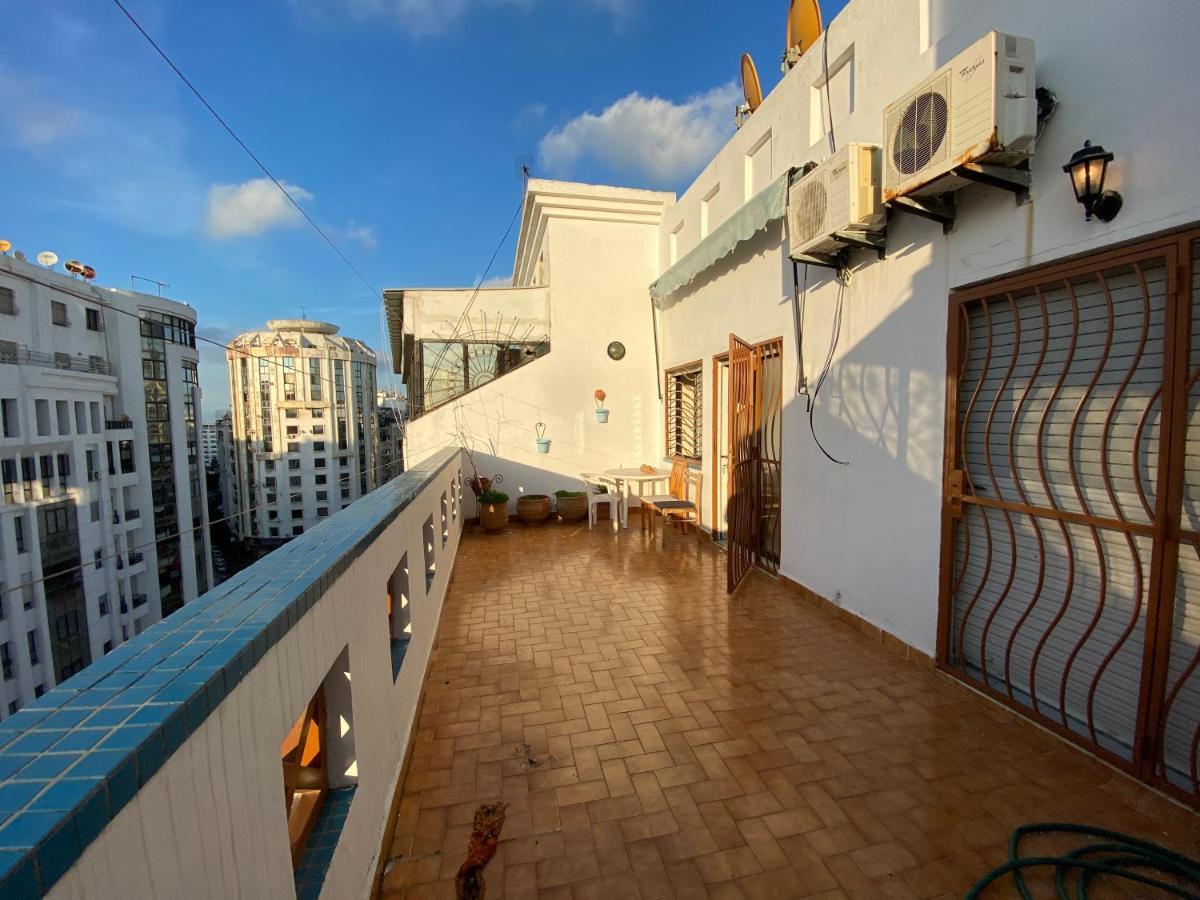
x: 391, y: 434
x: 208, y: 444
x: 103, y: 525
x: 304, y: 426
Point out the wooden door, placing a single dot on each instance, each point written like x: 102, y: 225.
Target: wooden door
x: 720, y: 476
x: 744, y: 502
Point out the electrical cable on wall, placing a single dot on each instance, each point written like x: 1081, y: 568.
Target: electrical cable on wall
x: 828, y: 94
x: 825, y: 369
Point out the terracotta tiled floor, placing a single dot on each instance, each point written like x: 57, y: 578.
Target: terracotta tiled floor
x: 653, y: 738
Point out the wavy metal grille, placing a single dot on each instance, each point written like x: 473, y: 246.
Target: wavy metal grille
x: 743, y: 464
x: 1071, y: 573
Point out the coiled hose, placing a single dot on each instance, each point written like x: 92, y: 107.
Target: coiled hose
x: 1115, y: 855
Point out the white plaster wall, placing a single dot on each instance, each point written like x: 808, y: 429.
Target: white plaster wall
x: 211, y: 823
x: 867, y: 534
x: 598, y: 271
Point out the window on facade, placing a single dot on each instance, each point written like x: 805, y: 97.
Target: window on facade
x: 292, y: 431
x: 319, y: 462
x: 95, y: 510
x: 8, y: 411
x: 290, y: 414
x: 318, y: 446
x: 274, y: 532
x: 294, y: 481
x: 297, y: 514
x: 8, y: 470
x: 108, y: 645
x: 6, y: 663
x: 684, y: 403
x: 320, y: 479
x: 8, y: 302
x: 41, y: 410
x: 94, y: 322
x: 19, y: 528
x: 33, y: 647
x: 58, y: 313
x: 293, y: 447
x: 322, y: 495
x: 318, y: 429
x: 102, y: 606
x: 98, y: 558
x: 272, y: 515
x: 297, y: 530
x: 294, y: 464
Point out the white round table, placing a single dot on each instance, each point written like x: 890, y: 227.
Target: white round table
x: 634, y: 475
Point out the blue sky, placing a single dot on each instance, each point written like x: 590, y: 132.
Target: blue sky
x: 399, y: 124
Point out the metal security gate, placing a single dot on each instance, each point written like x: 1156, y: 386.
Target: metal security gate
x: 754, y: 378
x: 743, y: 504
x: 1072, y: 483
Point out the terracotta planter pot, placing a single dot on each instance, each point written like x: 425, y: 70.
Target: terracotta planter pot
x: 533, y: 509
x: 572, y: 509
x: 493, y: 517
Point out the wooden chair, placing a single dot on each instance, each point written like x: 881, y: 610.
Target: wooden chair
x: 681, y: 505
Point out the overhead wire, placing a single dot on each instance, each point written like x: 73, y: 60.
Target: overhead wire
x: 253, y: 156
x: 101, y: 301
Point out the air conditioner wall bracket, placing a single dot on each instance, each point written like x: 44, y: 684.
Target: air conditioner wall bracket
x: 1015, y: 181
x: 936, y: 209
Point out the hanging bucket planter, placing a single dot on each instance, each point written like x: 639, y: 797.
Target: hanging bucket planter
x: 601, y: 412
x: 543, y: 442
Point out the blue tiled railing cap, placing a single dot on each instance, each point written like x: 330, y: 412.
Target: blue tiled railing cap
x: 72, y: 760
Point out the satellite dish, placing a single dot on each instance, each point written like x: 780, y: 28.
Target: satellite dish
x: 74, y: 266
x: 751, y: 88
x: 47, y: 258
x: 803, y: 28
x: 17, y: 254
x: 5, y: 246
x: 89, y: 273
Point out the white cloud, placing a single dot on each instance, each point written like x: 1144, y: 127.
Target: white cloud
x: 35, y: 118
x: 363, y: 235
x: 649, y: 136
x: 421, y: 18
x: 251, y: 208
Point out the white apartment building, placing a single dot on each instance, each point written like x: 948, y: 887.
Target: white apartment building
x: 103, y: 524
x: 304, y: 427
x: 391, y: 406
x: 946, y: 424
x: 208, y: 443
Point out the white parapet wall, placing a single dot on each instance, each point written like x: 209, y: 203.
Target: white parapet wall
x: 179, y: 787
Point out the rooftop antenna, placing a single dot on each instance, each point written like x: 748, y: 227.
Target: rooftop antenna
x: 47, y: 258
x: 751, y: 90
x: 159, y: 284
x: 803, y: 28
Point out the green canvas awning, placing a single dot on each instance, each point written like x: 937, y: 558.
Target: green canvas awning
x: 755, y: 215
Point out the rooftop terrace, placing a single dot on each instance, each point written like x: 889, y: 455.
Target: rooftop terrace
x: 653, y: 737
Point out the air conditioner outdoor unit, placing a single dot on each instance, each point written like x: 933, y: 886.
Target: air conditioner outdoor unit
x: 979, y: 108
x: 840, y: 196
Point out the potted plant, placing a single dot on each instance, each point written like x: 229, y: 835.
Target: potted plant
x: 533, y: 509
x: 601, y: 412
x: 493, y: 511
x: 572, y: 506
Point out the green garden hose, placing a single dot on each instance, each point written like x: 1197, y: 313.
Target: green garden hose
x: 1117, y: 856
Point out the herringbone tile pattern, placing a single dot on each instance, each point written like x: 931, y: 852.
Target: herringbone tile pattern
x: 654, y: 738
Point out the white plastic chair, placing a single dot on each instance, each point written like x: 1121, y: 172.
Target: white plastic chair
x: 597, y: 497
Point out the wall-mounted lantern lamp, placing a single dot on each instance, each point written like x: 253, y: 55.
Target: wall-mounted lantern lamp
x: 1088, y: 168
